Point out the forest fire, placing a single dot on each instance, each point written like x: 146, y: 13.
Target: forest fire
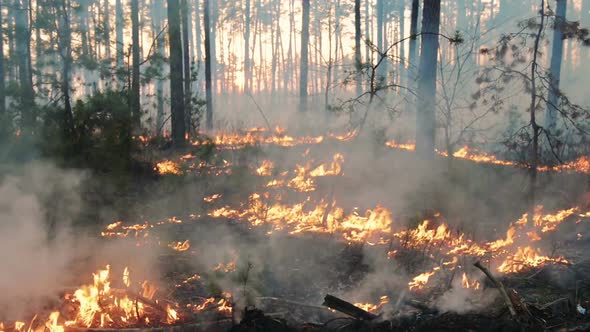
x: 99, y: 305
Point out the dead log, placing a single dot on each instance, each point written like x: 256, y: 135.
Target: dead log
x: 500, y: 287
x: 347, y: 308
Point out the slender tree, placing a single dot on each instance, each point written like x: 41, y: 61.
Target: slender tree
x: 357, y: 45
x: 107, y: 31
x: 247, y: 48
x: 134, y: 95
x: 413, y: 55
x: 2, y: 71
x: 158, y: 17
x: 555, y: 69
x: 208, y: 83
x: 176, y: 82
x: 380, y: 27
x: 23, y: 42
x: 65, y: 52
x: 304, y: 56
x: 425, y: 112
x: 119, y: 22
x: 186, y: 63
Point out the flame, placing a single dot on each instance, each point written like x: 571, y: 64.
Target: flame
x: 168, y: 167
x: 265, y: 168
x: 479, y: 157
x: 469, y: 284
x: 371, y: 307
x: 372, y: 227
x: 420, y: 281
x: 180, y: 246
x: 171, y: 315
x: 212, y: 198
x: 527, y: 257
x: 52, y: 324
x: 403, y: 146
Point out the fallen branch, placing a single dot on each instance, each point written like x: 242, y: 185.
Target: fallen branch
x: 347, y: 308
x: 500, y: 287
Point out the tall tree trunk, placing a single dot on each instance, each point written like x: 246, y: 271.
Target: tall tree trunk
x: 23, y: 41
x: 208, y: 83
x: 158, y: 8
x: 107, y: 31
x: 247, y: 48
x: 413, y: 56
x: 134, y: 96
x: 176, y: 83
x: 426, y: 105
x: 10, y: 34
x: 357, y: 46
x: 380, y: 27
x: 84, y: 26
x: 65, y: 52
x: 533, y: 115
x: 304, y: 59
x: 198, y: 46
x: 402, y: 32
x: 119, y: 22
x: 185, y: 13
x: 368, y: 18
x: 213, y: 16
x: 2, y: 73
x: 38, y: 43
x: 555, y: 69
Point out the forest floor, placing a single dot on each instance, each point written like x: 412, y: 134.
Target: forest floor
x: 270, y: 230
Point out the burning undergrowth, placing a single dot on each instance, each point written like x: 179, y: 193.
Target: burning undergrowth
x: 300, y: 220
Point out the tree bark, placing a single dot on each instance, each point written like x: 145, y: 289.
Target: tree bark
x: 176, y: 86
x: 23, y: 41
x: 380, y: 26
x: 357, y: 46
x: 555, y: 69
x: 413, y: 55
x: 304, y: 56
x: 119, y: 22
x: 247, y: 48
x: 208, y: 83
x: 158, y: 8
x: 426, y: 105
x: 134, y: 96
x: 2, y: 71
x: 107, y: 31
x: 185, y: 13
x: 65, y: 52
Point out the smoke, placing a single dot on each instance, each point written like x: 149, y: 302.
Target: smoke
x: 35, y: 251
x: 42, y: 253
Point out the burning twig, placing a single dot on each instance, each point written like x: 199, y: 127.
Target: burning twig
x: 347, y: 308
x: 500, y: 287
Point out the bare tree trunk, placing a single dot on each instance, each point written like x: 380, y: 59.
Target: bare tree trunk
x: 304, y: 57
x: 65, y: 52
x: 368, y: 31
x: 555, y: 69
x: 23, y: 41
x: 426, y: 105
x: 413, y: 56
x: 533, y: 114
x: 2, y: 72
x: 107, y: 31
x: 247, y: 48
x: 176, y: 83
x: 119, y: 22
x: 134, y: 96
x: 380, y: 27
x: 208, y: 83
x: 158, y: 8
x: 185, y: 13
x: 357, y: 46
x: 402, y: 32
